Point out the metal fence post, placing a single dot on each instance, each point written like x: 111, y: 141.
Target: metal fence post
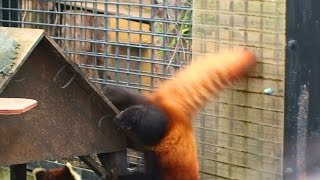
x: 302, y: 111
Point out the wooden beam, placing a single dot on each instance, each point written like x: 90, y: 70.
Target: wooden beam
x: 16, y: 105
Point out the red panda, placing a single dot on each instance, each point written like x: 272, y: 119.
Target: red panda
x: 63, y: 173
x: 162, y: 120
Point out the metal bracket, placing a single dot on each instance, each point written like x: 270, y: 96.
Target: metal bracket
x: 58, y: 73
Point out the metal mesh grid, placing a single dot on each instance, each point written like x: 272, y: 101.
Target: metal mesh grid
x: 240, y: 133
x: 132, y: 43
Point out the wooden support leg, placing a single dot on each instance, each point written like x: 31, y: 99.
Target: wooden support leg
x: 18, y: 172
x: 115, y: 162
x: 95, y: 166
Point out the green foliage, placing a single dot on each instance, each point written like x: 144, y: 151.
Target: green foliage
x: 182, y: 29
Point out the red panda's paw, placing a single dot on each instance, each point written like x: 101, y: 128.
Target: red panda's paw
x: 143, y: 123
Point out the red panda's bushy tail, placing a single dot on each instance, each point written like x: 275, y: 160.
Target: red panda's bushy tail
x: 192, y: 87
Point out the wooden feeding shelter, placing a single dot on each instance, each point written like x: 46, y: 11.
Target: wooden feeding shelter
x: 67, y: 121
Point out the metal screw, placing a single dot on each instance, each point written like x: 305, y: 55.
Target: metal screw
x: 292, y: 44
x: 268, y: 91
x: 288, y: 170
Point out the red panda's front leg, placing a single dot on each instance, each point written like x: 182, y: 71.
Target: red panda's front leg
x: 122, y: 98
x: 145, y: 123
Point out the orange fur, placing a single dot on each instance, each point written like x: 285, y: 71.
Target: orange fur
x: 60, y: 173
x: 181, y: 97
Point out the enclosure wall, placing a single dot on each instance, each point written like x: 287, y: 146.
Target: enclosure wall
x: 240, y: 134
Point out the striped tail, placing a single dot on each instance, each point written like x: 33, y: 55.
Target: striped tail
x: 192, y: 87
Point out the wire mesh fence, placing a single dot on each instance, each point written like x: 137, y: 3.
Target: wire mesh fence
x: 137, y: 43
x: 240, y: 134
x: 129, y: 43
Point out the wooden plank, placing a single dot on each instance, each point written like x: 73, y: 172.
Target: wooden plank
x: 16, y: 105
x: 112, y: 8
x: 242, y: 113
x: 70, y: 20
x: 38, y: 17
x: 146, y: 81
x: 132, y: 36
x: 137, y: 33
x: 251, y: 100
x: 76, y: 37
